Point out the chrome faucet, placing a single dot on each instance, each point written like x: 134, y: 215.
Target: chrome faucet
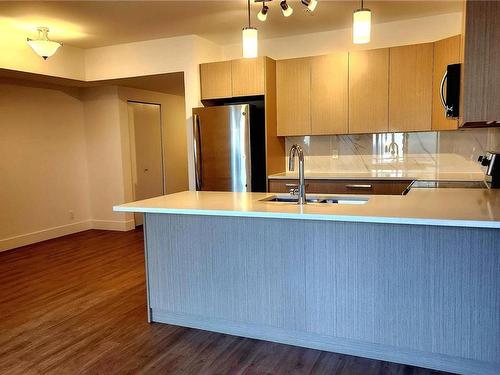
x: 296, y: 150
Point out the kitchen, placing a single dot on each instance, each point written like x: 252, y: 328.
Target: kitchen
x: 326, y: 195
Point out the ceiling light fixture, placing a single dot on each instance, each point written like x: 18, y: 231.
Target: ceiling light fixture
x: 262, y: 16
x: 250, y: 39
x: 310, y: 4
x: 43, y: 46
x: 286, y: 9
x: 361, y: 25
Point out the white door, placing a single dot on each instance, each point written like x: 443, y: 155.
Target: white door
x: 146, y: 151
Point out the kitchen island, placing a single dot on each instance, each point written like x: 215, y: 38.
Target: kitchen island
x: 412, y: 279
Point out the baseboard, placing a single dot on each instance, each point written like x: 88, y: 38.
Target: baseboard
x: 43, y: 235
x: 433, y: 361
x: 122, y: 226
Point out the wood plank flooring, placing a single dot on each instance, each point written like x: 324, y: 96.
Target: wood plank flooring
x: 77, y: 305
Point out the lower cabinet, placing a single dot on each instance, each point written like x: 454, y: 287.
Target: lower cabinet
x: 366, y: 187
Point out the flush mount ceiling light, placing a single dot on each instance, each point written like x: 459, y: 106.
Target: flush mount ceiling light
x: 361, y: 25
x: 250, y: 39
x: 43, y: 46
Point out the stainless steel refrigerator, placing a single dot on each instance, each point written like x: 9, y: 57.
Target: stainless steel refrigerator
x: 229, y: 148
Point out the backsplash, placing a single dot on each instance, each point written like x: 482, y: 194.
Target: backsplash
x: 433, y: 152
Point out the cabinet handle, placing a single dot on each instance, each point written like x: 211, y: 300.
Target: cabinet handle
x: 359, y: 186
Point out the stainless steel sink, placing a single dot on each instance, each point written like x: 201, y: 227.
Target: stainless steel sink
x: 315, y: 199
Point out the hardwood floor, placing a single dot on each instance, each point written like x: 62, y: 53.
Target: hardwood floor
x: 76, y: 305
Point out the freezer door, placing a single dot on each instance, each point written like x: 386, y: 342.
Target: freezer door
x: 222, y: 148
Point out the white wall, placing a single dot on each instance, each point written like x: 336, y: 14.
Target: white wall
x: 412, y: 31
x: 43, y: 168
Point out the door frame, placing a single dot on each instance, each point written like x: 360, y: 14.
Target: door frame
x: 133, y: 162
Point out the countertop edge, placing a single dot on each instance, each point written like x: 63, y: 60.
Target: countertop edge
x: 487, y: 224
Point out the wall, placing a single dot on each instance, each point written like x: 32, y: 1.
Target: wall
x: 105, y: 140
x: 43, y: 165
x: 412, y: 31
x: 169, y: 55
x: 432, y: 153
x: 68, y: 62
x: 174, y: 135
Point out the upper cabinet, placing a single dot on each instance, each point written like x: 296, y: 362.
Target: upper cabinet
x: 227, y: 79
x: 481, y: 73
x: 312, y: 95
x: 248, y: 77
x: 293, y: 90
x: 369, y: 91
x: 410, y: 87
x: 329, y: 94
x: 446, y: 52
x: 216, y: 81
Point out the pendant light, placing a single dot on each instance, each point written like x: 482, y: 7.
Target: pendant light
x: 43, y: 46
x: 361, y: 25
x: 250, y: 41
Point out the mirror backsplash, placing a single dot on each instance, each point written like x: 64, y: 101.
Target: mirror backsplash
x: 398, y: 153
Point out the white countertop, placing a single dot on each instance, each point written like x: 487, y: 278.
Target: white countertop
x: 385, y: 175
x: 443, y: 207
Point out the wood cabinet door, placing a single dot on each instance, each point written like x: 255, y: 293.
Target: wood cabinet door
x: 248, y: 77
x: 369, y: 91
x: 410, y: 87
x: 216, y: 80
x: 481, y: 73
x: 293, y: 87
x: 446, y: 52
x: 329, y: 94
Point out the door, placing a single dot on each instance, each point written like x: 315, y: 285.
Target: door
x: 216, y: 80
x: 222, y: 148
x: 329, y: 94
x: 146, y: 151
x: 293, y: 87
x: 369, y: 91
x: 410, y: 88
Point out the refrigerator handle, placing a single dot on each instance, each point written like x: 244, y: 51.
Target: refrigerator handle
x: 197, y: 150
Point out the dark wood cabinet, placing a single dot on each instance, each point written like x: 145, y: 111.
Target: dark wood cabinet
x: 366, y: 187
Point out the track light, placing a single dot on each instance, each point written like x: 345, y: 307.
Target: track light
x: 43, y: 46
x: 310, y: 4
x: 361, y: 25
x: 262, y: 16
x: 286, y: 9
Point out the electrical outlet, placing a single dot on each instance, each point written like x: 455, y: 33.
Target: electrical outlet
x: 335, y: 154
x: 72, y: 215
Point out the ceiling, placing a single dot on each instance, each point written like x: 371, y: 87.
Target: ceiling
x: 88, y: 24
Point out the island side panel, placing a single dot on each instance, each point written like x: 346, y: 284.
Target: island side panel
x: 423, y: 295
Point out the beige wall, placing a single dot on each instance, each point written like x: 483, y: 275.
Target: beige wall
x: 174, y: 135
x: 43, y: 164
x: 105, y: 140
